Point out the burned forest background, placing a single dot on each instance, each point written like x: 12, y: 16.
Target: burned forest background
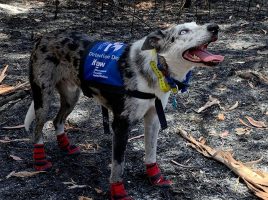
x: 236, y: 119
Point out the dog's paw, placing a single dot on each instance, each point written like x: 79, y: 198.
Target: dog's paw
x: 71, y: 150
x: 155, y: 177
x: 42, y: 165
x: 40, y: 161
x: 118, y: 192
x: 65, y: 146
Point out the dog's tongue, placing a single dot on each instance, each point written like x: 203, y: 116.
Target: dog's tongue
x: 206, y: 56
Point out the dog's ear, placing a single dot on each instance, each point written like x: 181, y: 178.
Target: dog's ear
x: 153, y: 40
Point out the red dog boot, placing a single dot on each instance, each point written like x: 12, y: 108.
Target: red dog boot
x: 118, y: 192
x: 65, y: 146
x: 40, y: 161
x: 155, y: 176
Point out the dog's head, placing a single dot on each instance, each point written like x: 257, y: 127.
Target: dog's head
x: 185, y: 44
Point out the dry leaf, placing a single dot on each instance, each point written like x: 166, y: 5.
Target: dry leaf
x: 262, y: 52
x: 3, y: 73
x: 224, y: 134
x: 15, y: 158
x: 221, y: 117
x: 87, y: 146
x: 10, y: 174
x: 244, y: 123
x: 4, y: 141
x: 242, y: 131
x: 5, y: 89
x: 251, y: 163
x: 69, y: 126
x: 76, y: 186
x: 251, y: 85
x: 84, y: 198
x: 238, y: 62
x: 73, y: 185
x: 258, y: 124
x: 213, y: 133
x: 24, y: 174
x: 14, y: 127
x: 233, y: 106
x: 24, y: 85
x: 252, y: 75
x: 202, y: 140
x: 212, y: 101
x: 7, y: 140
x: 98, y: 190
x: 136, y: 137
x: 68, y: 183
x: 222, y: 88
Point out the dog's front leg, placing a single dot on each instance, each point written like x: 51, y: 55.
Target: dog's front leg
x: 120, y: 127
x: 151, y: 129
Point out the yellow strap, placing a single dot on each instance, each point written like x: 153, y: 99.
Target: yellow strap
x: 164, y: 86
x: 175, y: 90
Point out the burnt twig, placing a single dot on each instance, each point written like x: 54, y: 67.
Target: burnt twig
x: 57, y: 2
x: 18, y: 95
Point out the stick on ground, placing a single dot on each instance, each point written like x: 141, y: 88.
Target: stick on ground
x: 256, y: 180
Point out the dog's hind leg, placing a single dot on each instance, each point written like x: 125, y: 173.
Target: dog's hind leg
x: 120, y: 136
x: 69, y: 95
x: 152, y: 127
x: 41, y: 98
x: 42, y: 76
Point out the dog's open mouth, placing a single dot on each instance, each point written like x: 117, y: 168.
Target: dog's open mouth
x: 200, y: 54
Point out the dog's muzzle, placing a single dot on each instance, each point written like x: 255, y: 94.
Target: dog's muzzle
x: 200, y: 54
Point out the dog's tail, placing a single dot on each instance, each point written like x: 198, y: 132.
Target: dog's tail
x: 30, y: 116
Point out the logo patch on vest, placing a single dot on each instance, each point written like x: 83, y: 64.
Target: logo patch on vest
x: 101, y: 63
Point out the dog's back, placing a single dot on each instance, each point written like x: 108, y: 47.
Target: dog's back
x: 54, y: 63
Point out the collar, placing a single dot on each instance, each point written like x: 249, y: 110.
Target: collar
x: 166, y: 82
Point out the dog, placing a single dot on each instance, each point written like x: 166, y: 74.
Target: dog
x: 55, y: 63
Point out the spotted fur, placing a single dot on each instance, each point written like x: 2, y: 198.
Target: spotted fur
x: 55, y: 64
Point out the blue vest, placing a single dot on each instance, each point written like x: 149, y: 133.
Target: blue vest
x: 101, y: 65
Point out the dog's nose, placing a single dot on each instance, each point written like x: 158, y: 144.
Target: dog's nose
x: 213, y: 28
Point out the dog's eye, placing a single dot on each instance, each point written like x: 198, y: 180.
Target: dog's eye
x: 183, y: 32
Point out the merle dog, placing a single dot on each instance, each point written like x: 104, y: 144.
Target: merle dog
x: 56, y: 63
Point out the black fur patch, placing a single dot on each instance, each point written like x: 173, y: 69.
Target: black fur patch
x: 86, y: 44
x: 139, y: 59
x: 76, y: 62
x: 73, y: 46
x: 75, y: 36
x: 123, y: 64
x: 66, y: 40
x: 53, y: 59
x: 36, y: 91
x: 81, y: 53
x: 68, y: 58
x: 37, y: 42
x: 120, y: 127
x: 44, y: 49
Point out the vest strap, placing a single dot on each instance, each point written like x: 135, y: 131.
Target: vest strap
x: 140, y: 95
